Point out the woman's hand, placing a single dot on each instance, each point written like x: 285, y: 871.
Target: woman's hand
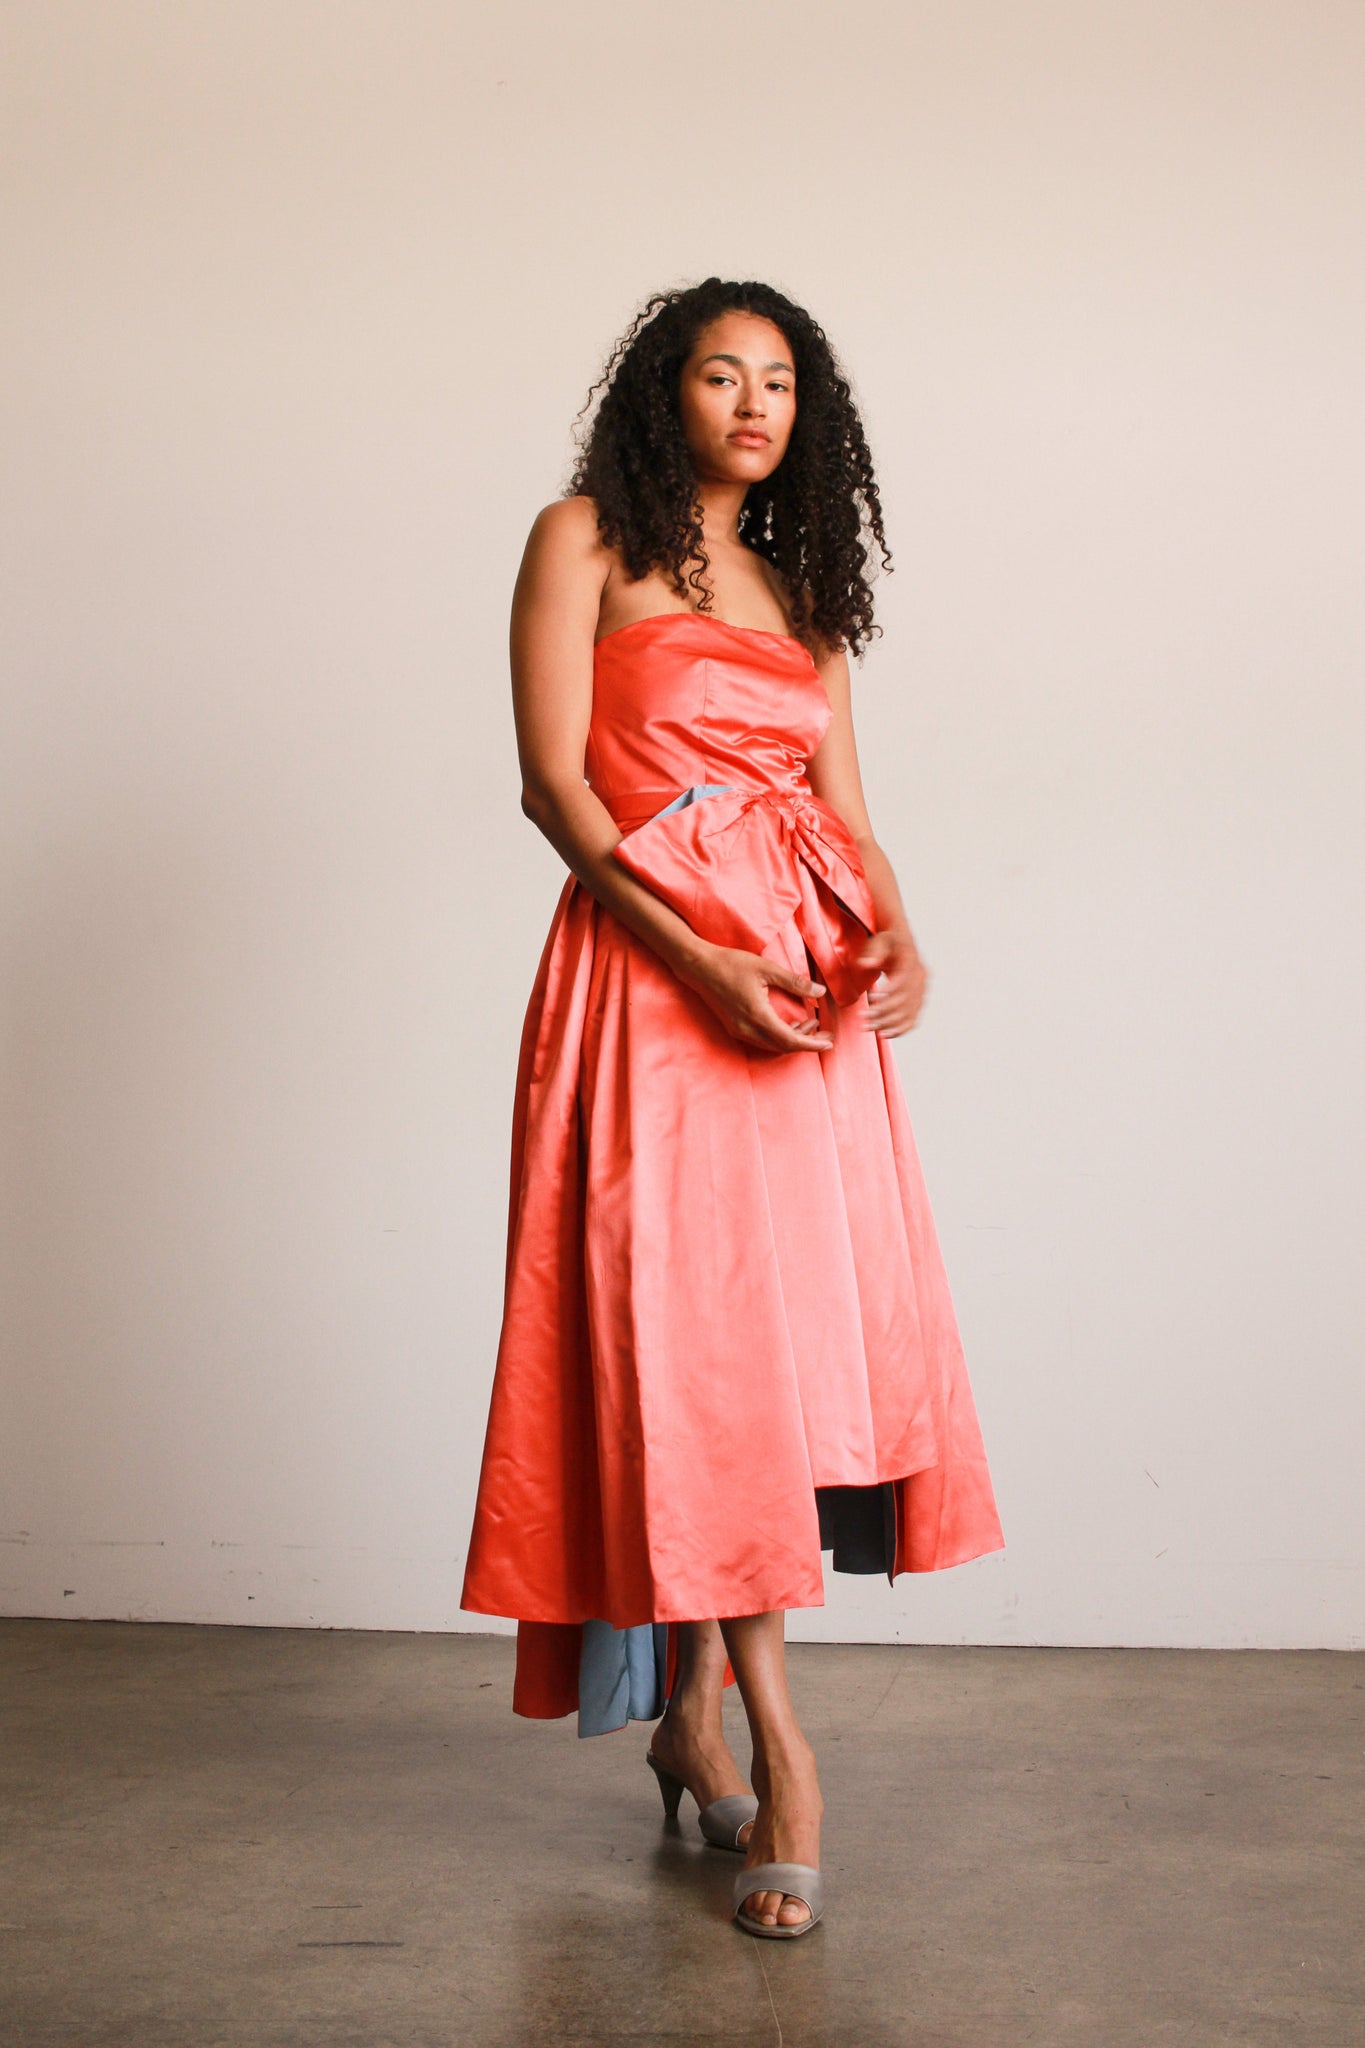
x: 735, y: 984
x: 894, y: 1003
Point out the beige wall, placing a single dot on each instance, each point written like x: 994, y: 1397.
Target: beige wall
x: 301, y: 301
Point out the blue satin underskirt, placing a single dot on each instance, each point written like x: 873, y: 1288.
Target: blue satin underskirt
x: 621, y: 1675
x: 691, y: 794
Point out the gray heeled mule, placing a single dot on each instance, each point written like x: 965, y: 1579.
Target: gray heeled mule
x: 797, y: 1880
x: 720, y: 1821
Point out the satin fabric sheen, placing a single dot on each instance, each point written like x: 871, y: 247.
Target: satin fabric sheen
x: 723, y: 1284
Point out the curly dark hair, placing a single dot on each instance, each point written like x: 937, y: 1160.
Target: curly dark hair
x: 807, y: 518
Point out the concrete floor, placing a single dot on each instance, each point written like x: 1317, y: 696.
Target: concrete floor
x: 218, y: 1837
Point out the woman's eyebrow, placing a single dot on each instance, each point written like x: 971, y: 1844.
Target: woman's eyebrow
x: 738, y: 362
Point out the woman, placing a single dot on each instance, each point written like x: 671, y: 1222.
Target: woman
x: 728, y: 1341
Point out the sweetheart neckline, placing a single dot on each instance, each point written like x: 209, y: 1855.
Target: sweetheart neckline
x: 653, y: 618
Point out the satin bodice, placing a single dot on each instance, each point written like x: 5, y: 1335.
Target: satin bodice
x: 683, y: 698
x: 698, y: 743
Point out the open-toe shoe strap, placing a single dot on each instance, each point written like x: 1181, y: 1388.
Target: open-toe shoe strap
x: 723, y: 1818
x: 798, y: 1880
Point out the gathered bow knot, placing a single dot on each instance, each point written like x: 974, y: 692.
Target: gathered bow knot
x: 737, y: 863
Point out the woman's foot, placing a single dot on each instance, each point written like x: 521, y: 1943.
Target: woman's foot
x: 790, y: 1808
x: 696, y: 1751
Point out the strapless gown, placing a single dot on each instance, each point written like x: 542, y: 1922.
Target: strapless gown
x: 727, y: 1341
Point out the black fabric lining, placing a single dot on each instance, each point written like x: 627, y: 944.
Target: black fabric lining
x: 858, y: 1523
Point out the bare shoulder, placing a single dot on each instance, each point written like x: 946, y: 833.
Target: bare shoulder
x: 567, y: 528
x: 564, y: 549
x: 563, y: 570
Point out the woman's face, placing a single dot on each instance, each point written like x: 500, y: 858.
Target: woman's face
x: 737, y: 396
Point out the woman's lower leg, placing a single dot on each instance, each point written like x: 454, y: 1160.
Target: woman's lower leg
x: 690, y: 1738
x: 699, y: 1668
x: 784, y: 1773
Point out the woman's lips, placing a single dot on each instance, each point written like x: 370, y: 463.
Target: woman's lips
x: 750, y: 440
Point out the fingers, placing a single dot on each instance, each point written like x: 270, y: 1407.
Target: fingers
x: 773, y: 1027
x: 892, y: 1008
x: 795, y: 984
x: 754, y: 1018
x: 793, y: 1038
x: 890, y: 1025
x: 811, y: 1031
x: 767, y: 1028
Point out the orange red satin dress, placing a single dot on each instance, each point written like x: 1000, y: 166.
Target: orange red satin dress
x: 723, y: 1285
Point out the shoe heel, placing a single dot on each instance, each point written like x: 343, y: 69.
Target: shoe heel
x: 672, y: 1788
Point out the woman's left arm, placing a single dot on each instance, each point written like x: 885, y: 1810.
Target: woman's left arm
x: 895, y: 1002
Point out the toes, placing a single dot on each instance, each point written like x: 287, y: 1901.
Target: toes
x: 774, y: 1907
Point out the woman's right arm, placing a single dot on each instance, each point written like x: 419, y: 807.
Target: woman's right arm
x: 555, y: 608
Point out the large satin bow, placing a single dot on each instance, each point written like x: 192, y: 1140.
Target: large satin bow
x: 737, y: 863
